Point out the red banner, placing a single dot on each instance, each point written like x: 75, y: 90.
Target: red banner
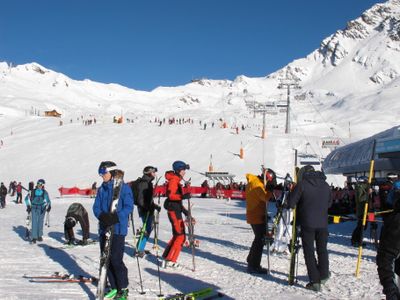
x: 75, y: 191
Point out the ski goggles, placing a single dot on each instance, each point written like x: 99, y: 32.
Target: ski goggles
x: 103, y: 171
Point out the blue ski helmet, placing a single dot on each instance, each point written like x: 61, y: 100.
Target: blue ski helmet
x: 180, y: 165
x: 396, y: 185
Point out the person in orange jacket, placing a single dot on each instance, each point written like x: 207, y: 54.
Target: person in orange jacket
x: 174, y: 206
x: 257, y: 197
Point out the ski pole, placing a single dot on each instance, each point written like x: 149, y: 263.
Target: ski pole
x: 156, y: 227
x: 47, y: 223
x: 140, y: 277
x: 364, y: 220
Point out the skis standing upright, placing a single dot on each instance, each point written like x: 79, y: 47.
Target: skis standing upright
x: 294, y: 249
x: 28, y: 226
x: 105, y: 253
x: 294, y: 242
x: 191, y: 238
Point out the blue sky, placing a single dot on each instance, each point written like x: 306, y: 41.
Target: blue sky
x: 145, y: 44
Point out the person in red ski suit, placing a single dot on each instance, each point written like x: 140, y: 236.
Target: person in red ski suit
x: 173, y: 205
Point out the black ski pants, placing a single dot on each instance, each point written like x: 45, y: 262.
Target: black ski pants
x: 356, y: 237
x: 117, y: 272
x: 256, y: 250
x: 317, y: 269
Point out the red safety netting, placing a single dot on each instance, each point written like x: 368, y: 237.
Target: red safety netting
x: 75, y: 191
x: 211, y: 192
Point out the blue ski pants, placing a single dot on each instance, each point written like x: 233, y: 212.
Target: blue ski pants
x: 149, y: 227
x: 38, y: 212
x: 117, y: 272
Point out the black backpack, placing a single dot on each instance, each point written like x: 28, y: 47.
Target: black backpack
x: 135, y: 189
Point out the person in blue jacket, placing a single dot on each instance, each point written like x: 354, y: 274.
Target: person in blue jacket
x: 37, y: 203
x: 117, y: 271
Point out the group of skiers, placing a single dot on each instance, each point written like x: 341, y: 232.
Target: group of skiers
x: 142, y: 188
x: 312, y: 197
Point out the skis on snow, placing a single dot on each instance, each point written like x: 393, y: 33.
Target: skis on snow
x: 105, y: 253
x: 205, y: 294
x: 58, y: 277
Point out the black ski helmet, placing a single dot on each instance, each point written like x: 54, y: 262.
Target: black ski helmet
x: 149, y: 169
x: 41, y: 182
x: 107, y: 166
x: 70, y: 222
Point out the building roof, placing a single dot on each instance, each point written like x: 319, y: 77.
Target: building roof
x: 356, y: 157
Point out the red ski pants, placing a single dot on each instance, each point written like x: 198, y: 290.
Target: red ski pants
x: 174, y: 246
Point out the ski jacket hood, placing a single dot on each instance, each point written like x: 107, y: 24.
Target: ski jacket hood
x: 314, y: 178
x: 256, y: 200
x: 102, y: 204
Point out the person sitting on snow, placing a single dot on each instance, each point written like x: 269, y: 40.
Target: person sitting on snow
x: 76, y: 213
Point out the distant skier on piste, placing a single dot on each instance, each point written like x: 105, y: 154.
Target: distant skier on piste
x: 312, y: 196
x: 3, y: 195
x: 143, y: 191
x: 117, y: 271
x: 37, y: 203
x: 257, y: 197
x: 76, y: 213
x: 388, y: 257
x: 174, y: 206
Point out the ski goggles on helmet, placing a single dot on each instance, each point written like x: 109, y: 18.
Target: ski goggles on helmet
x: 149, y: 170
x: 103, y: 170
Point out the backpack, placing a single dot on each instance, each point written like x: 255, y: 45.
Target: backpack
x: 135, y: 189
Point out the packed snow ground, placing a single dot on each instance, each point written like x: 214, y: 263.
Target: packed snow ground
x: 220, y: 260
x: 69, y: 155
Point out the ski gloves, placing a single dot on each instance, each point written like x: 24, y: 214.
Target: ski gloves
x: 156, y: 207
x: 28, y: 209
x: 186, y: 196
x: 48, y: 208
x: 108, y: 219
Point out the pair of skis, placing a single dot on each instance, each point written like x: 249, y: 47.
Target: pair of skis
x: 108, y: 236
x: 192, y: 243
x: 204, y: 294
x: 58, y: 277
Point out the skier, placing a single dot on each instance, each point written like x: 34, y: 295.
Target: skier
x: 388, y: 257
x: 257, y: 197
x: 146, y: 205
x: 173, y: 204
x: 76, y: 213
x: 37, y: 203
x: 313, y: 197
x: 362, y: 195
x: 19, y: 193
x: 3, y: 194
x: 117, y: 271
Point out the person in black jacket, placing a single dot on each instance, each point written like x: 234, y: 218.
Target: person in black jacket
x: 388, y: 256
x: 146, y: 205
x: 312, y: 196
x: 76, y: 213
x: 3, y: 194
